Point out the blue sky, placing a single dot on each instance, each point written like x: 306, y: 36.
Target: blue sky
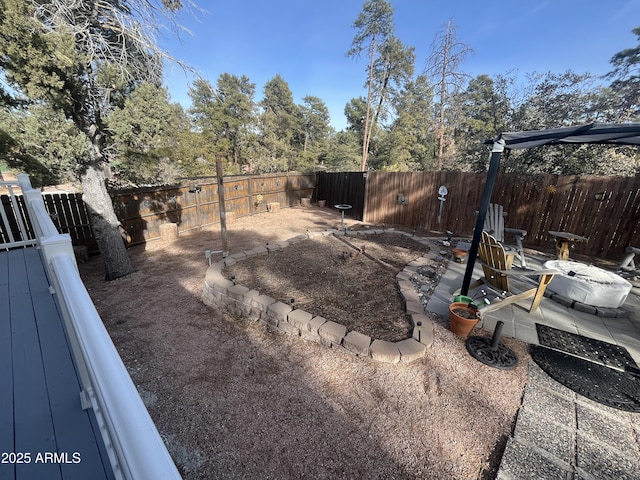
x: 305, y: 41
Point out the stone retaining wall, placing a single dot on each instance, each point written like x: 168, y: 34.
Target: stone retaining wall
x: 280, y: 317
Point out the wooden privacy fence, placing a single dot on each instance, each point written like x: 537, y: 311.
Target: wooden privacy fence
x: 194, y: 203
x: 141, y: 212
x: 69, y: 214
x: 606, y: 210
x: 67, y: 211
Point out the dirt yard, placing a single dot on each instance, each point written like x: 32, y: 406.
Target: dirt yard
x: 234, y: 401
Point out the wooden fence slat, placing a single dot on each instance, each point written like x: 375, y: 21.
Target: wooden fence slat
x: 66, y: 208
x: 80, y: 229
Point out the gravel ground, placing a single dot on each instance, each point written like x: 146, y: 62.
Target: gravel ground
x: 234, y: 401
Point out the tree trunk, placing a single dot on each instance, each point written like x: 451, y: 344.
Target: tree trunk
x: 365, y: 139
x: 443, y: 98
x: 105, y: 224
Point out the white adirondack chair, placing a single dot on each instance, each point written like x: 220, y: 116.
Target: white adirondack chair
x: 494, y: 225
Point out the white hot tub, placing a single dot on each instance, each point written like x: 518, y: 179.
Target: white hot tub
x: 588, y: 284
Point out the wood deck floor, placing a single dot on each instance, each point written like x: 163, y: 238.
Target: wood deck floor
x: 44, y: 433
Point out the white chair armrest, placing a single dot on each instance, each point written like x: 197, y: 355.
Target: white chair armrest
x: 516, y: 231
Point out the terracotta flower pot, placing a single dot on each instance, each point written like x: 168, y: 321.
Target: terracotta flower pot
x: 463, y: 318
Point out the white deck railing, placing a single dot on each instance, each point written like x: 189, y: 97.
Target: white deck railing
x: 133, y: 443
x: 12, y: 217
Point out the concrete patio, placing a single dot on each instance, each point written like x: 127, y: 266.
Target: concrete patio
x: 520, y: 324
x: 558, y: 433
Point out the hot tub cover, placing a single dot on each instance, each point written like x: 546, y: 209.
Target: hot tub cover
x: 588, y: 284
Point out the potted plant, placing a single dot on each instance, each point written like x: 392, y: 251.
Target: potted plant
x: 463, y: 313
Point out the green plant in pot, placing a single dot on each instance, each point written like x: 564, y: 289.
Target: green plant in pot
x: 463, y: 313
x: 479, y: 299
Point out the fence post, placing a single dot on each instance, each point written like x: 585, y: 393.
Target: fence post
x: 223, y: 212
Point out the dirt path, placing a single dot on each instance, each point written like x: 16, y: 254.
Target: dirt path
x: 234, y: 401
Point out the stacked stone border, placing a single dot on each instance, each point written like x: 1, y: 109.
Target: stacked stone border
x: 608, y: 312
x: 280, y: 317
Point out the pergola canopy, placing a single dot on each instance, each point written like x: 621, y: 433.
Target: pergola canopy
x: 594, y: 133
x: 606, y: 134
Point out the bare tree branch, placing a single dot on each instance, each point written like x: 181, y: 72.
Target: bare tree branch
x: 443, y: 68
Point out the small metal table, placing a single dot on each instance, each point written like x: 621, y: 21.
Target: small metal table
x: 342, y: 207
x: 564, y: 240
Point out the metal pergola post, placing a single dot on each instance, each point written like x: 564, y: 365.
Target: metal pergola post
x: 494, y: 163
